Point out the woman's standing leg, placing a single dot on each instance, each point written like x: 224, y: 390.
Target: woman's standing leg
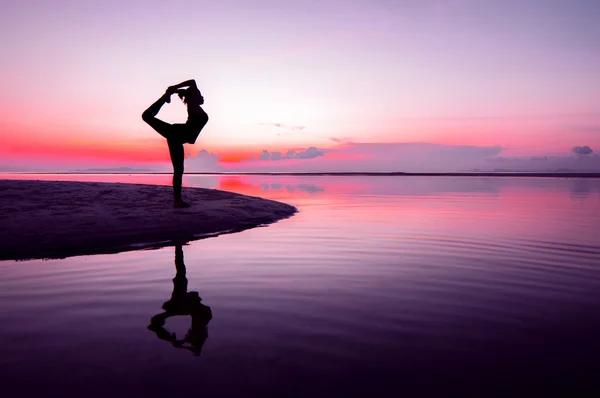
x: 174, y: 141
x: 177, y: 158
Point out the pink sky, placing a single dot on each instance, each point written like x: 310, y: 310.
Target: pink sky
x: 361, y: 81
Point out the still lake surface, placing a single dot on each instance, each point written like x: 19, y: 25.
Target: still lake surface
x: 378, y: 286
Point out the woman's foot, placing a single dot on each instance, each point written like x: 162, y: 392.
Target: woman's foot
x: 180, y: 204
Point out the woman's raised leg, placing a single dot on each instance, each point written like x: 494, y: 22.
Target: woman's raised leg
x: 149, y: 116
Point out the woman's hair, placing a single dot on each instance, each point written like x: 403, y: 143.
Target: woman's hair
x: 189, y: 93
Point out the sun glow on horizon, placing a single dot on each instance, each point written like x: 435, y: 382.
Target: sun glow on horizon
x: 280, y: 76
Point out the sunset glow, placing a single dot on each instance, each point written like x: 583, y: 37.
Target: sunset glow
x: 284, y: 78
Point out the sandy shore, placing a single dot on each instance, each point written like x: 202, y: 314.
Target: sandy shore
x: 55, y: 219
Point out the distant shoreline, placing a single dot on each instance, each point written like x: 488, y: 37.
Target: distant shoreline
x: 372, y: 174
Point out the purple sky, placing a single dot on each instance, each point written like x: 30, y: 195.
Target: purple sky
x: 520, y: 75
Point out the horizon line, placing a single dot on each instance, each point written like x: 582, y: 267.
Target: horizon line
x: 342, y: 173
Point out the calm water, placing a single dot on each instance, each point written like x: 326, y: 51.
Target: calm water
x: 379, y: 286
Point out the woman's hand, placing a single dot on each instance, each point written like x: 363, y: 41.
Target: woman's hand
x: 170, y: 91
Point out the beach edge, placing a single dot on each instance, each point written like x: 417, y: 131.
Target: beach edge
x: 59, y: 219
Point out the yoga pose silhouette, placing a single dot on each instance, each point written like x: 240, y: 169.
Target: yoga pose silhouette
x: 183, y: 302
x: 177, y: 134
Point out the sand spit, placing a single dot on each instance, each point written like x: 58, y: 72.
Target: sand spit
x: 56, y: 219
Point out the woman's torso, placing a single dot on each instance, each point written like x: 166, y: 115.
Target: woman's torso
x: 196, y: 114
x: 196, y: 121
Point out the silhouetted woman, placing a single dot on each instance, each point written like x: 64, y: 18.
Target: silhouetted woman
x: 178, y: 134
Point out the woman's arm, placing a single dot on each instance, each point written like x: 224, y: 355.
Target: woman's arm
x: 187, y: 83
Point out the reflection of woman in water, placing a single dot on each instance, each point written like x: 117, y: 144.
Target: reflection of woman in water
x: 178, y: 134
x: 183, y: 302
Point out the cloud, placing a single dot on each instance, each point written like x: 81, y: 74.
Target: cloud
x: 202, y: 161
x: 283, y: 126
x: 265, y: 155
x: 582, y: 150
x: 309, y: 153
x: 585, y: 129
x: 414, y: 157
x: 589, y: 163
x: 394, y: 156
x: 340, y: 140
x: 372, y: 157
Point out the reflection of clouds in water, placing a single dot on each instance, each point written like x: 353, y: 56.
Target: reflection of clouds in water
x: 203, y: 181
x: 393, y: 185
x: 401, y: 186
x: 492, y: 186
x: 424, y: 186
x: 397, y: 186
x: 580, y: 188
x: 310, y: 188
